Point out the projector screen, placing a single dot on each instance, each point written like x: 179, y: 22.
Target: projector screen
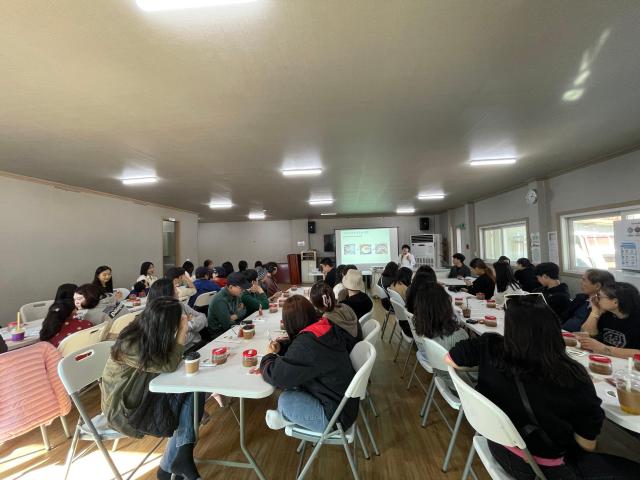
x: 367, y: 247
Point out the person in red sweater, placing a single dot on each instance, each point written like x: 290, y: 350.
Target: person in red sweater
x: 61, y: 322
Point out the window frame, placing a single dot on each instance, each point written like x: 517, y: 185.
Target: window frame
x: 565, y: 225
x: 508, y: 223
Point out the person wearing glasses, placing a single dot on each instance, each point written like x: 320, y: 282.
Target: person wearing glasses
x: 548, y: 396
x: 580, y: 307
x: 614, y: 321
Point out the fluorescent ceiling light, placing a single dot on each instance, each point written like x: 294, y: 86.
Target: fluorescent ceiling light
x: 434, y: 196
x: 257, y: 216
x: 321, y: 201
x: 493, y: 161
x: 301, y: 171
x: 139, y: 181
x: 404, y: 210
x: 328, y: 214
x: 159, y: 5
x: 217, y: 205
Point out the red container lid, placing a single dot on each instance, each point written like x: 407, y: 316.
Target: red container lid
x: 12, y: 324
x: 599, y: 359
x: 490, y: 317
x: 460, y: 298
x: 491, y: 301
x: 636, y: 357
x: 219, y: 351
x: 250, y: 353
x: 568, y: 334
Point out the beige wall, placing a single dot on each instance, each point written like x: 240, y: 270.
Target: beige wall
x: 50, y: 236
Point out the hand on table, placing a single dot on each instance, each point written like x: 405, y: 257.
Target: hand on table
x: 118, y: 295
x: 234, y: 318
x: 468, y: 282
x: 273, y: 347
x: 588, y: 343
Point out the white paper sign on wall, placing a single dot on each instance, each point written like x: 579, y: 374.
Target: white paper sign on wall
x: 626, y: 234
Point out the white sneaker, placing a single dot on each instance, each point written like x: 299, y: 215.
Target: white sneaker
x: 275, y: 421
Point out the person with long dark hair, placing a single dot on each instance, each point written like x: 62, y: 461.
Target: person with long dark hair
x: 434, y: 318
x: 189, y: 267
x: 424, y: 275
x: 388, y: 275
x: 614, y: 321
x: 525, y: 275
x: 92, y: 305
x: 197, y: 320
x: 485, y: 282
x: 60, y: 323
x: 151, y: 344
x: 402, y: 281
x: 342, y: 316
x: 314, y: 370
x: 580, y: 307
x: 103, y: 279
x: 338, y: 287
x: 182, y: 281
x: 65, y: 292
x: 560, y: 395
x: 506, y: 283
x: 147, y: 274
x: 273, y: 291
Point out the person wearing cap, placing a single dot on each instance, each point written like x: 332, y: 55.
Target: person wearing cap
x: 203, y: 284
x: 359, y: 301
x: 254, y: 296
x: 226, y: 308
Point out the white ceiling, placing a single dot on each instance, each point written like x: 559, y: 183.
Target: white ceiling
x: 392, y: 98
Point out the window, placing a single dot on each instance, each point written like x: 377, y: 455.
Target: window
x: 587, y: 238
x: 509, y: 239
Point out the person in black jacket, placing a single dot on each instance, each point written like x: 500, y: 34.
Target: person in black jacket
x: 459, y: 269
x: 313, y: 369
x: 359, y: 301
x: 486, y: 281
x: 525, y: 275
x: 580, y: 307
x: 555, y: 292
x: 329, y: 271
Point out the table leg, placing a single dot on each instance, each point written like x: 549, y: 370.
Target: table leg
x: 244, y: 448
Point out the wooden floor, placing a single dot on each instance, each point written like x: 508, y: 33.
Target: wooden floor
x: 407, y: 450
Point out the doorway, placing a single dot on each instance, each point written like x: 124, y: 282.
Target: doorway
x: 169, y: 244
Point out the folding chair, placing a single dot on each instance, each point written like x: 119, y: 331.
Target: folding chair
x: 35, y: 310
x: 395, y: 296
x: 381, y: 293
x: 490, y: 423
x: 363, y: 357
x: 81, y: 339
x: 78, y: 370
x: 370, y: 332
x: 119, y: 324
x: 365, y: 318
x: 402, y: 316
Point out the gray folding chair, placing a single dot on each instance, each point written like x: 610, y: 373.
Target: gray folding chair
x: 381, y: 293
x: 78, y: 370
x: 363, y: 357
x: 402, y: 316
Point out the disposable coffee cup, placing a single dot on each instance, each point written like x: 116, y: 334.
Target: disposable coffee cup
x: 191, y: 363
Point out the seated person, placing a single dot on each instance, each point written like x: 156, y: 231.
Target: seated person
x: 342, y: 316
x: 95, y: 307
x: 242, y: 265
x: 103, y: 279
x: 580, y: 307
x: 339, y: 291
x: 61, y: 322
x: 219, y: 276
x: 563, y: 401
x: 359, y: 301
x: 339, y: 274
x: 254, y: 297
x: 203, y: 284
x: 147, y: 274
x: 226, y: 308
x: 459, y: 269
x: 614, y: 321
x: 434, y: 318
x: 402, y: 282
x: 525, y: 275
x: 314, y: 371
x: 182, y: 281
x: 152, y: 344
x: 555, y: 292
x: 197, y: 321
x: 228, y: 268
x: 484, y: 283
x: 423, y: 276
x: 272, y: 289
x: 188, y: 268
x: 328, y: 271
x: 506, y: 283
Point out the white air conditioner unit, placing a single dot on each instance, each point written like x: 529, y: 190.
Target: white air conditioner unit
x: 426, y: 248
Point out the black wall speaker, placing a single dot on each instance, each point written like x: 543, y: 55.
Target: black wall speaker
x: 311, y: 227
x: 424, y: 223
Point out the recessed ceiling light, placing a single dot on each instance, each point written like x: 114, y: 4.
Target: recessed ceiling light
x: 257, y: 216
x: 328, y: 214
x: 158, y: 5
x: 139, y: 181
x: 321, y: 201
x: 433, y: 196
x: 493, y: 161
x: 405, y: 210
x: 292, y: 172
x: 573, y: 94
x: 219, y: 205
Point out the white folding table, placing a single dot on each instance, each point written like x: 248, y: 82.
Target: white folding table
x: 452, y: 282
x: 230, y: 379
x: 31, y: 334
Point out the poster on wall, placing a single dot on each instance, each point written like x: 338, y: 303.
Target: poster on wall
x: 626, y: 234
x: 554, y: 256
